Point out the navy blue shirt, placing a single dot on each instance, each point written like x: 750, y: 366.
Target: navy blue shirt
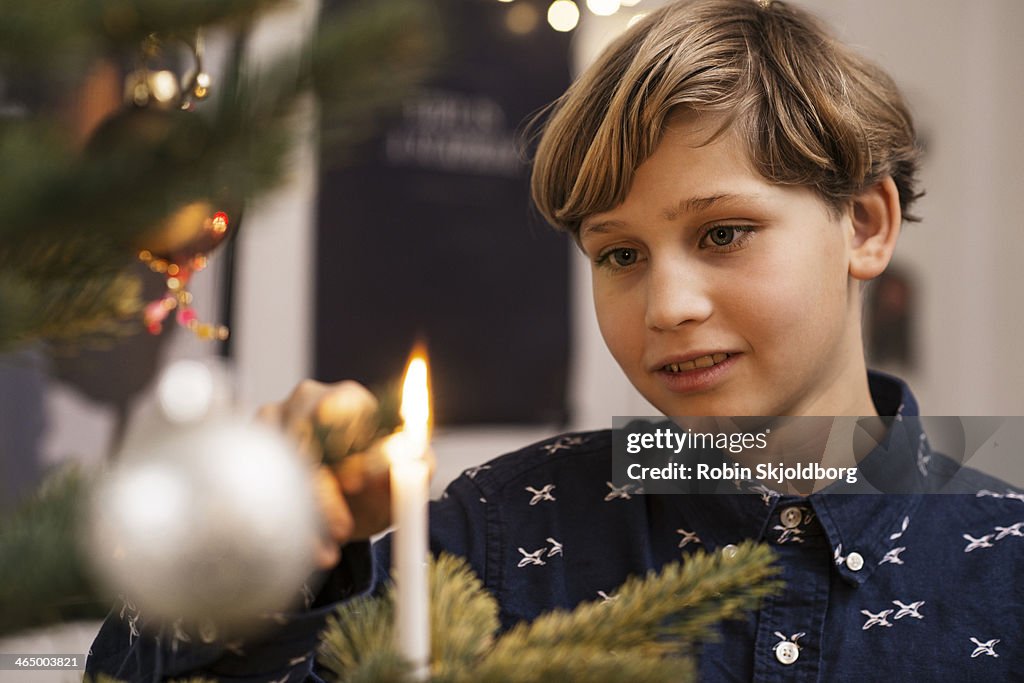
x: 907, y: 587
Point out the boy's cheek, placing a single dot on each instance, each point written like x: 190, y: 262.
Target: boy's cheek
x: 622, y: 328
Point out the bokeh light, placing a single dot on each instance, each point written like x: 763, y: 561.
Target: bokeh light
x: 563, y: 15
x: 603, y: 8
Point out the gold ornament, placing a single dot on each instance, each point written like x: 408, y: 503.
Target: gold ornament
x: 194, y: 230
x: 151, y: 84
x: 178, y: 232
x: 177, y: 248
x: 152, y: 125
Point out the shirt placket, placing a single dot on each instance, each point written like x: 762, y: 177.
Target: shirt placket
x: 791, y: 623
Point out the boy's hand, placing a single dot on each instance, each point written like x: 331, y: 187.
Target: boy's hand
x: 353, y: 495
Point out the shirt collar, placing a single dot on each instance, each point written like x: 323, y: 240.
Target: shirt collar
x: 869, y: 524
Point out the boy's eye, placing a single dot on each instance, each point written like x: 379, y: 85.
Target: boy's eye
x: 722, y: 236
x: 622, y: 257
x: 725, y: 237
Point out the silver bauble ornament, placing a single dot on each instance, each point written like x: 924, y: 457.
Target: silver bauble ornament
x: 212, y: 522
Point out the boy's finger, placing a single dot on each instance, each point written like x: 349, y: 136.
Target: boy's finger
x: 357, y: 470
x: 326, y: 554
x: 348, y: 414
x: 270, y: 415
x: 337, y: 518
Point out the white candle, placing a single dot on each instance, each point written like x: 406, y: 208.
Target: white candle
x: 410, y: 482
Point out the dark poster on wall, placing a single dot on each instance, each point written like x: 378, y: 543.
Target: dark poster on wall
x: 428, y: 232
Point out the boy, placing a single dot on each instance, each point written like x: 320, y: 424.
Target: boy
x: 735, y: 176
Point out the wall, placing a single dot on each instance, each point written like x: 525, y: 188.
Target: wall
x: 957, y: 63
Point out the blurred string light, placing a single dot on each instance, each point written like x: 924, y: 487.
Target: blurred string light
x: 635, y: 18
x: 563, y: 15
x: 522, y: 18
x: 186, y: 391
x: 603, y: 8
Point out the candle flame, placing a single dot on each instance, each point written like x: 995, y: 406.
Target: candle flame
x: 415, y: 410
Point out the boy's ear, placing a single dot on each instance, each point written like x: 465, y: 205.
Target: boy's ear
x: 876, y: 217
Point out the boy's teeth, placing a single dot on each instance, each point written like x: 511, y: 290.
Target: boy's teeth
x: 702, y: 362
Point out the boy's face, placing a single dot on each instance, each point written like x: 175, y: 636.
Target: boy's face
x: 720, y: 293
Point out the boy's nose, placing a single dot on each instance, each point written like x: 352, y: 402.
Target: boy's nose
x: 676, y: 295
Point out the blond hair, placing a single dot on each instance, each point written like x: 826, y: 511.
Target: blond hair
x: 811, y: 111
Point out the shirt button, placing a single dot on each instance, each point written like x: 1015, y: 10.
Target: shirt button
x: 854, y: 562
x: 791, y: 517
x: 729, y: 550
x: 787, y: 652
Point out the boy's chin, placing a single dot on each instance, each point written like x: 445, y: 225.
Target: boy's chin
x: 721, y: 402
x: 703, y: 406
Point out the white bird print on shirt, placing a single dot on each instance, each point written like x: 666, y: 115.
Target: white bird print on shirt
x: 985, y: 492
x: 532, y: 558
x: 986, y: 648
x: 838, y: 555
x: 766, y: 493
x: 607, y: 598
x: 1012, y: 530
x: 893, y: 556
x: 876, y: 619
x: 976, y: 543
x: 903, y: 528
x: 542, y: 494
x: 473, y: 471
x: 556, y: 547
x: 910, y: 610
x: 792, y: 639
x: 562, y: 444
x: 923, y: 458
x: 1015, y: 496
x: 789, y: 535
x: 620, y: 492
x: 688, y: 537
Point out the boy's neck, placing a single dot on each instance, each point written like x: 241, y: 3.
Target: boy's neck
x: 847, y: 391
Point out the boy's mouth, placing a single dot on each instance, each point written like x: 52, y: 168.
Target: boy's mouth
x: 694, y: 363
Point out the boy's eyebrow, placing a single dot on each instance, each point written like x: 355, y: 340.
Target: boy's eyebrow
x: 693, y: 204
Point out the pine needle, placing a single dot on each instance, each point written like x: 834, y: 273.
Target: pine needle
x: 358, y: 644
x: 463, y: 616
x: 43, y: 579
x: 93, y: 206
x: 649, y: 631
x: 659, y: 614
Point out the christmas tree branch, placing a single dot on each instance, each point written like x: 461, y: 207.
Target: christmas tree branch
x: 42, y: 576
x: 661, y: 615
x: 98, y: 203
x: 658, y: 612
x: 648, y: 631
x: 66, y: 35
